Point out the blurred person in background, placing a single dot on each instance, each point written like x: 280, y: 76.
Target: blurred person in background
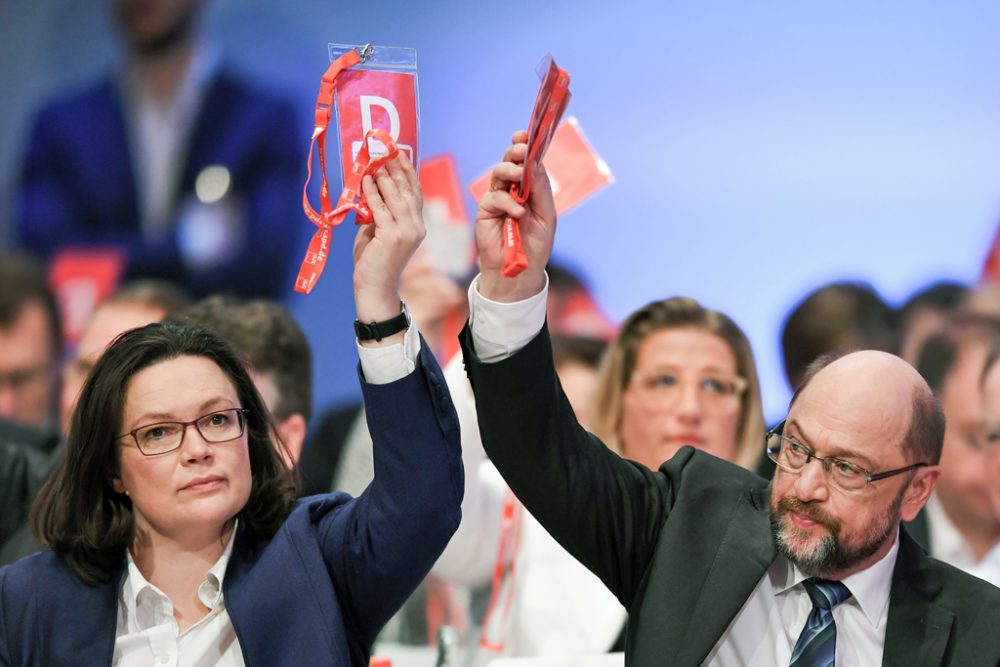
x: 840, y: 316
x: 926, y: 313
x: 30, y: 350
x: 280, y: 359
x: 186, y: 166
x: 988, y: 567
x: 133, y: 305
x: 677, y: 374
x: 23, y: 473
x: 958, y: 524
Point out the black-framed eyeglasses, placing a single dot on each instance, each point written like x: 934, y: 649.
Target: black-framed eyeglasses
x: 792, y: 456
x: 164, y: 437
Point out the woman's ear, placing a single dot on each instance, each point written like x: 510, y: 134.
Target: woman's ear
x: 116, y: 484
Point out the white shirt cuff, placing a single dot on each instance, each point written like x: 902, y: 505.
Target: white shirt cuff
x: 501, y: 329
x: 382, y: 365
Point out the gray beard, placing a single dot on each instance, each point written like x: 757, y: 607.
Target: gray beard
x: 829, y: 555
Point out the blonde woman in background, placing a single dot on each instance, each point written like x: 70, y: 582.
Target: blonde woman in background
x: 677, y: 374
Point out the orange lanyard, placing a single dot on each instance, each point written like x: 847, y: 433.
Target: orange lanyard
x: 510, y: 542
x: 351, y: 198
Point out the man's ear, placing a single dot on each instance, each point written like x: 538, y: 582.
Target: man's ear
x: 292, y: 430
x: 918, y: 491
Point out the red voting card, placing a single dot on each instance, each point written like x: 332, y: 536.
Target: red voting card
x: 550, y: 103
x: 575, y: 169
x: 368, y: 99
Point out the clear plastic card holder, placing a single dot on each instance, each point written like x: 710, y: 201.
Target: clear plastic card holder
x: 379, y: 92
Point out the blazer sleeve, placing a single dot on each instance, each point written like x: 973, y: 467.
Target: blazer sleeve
x: 382, y: 545
x: 606, y: 511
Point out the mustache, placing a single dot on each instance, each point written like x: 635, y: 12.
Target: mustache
x: 792, y: 504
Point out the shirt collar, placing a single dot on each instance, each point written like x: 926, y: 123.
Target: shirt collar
x: 869, y: 587
x: 143, y: 605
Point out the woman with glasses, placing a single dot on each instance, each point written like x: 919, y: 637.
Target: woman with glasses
x: 677, y: 374
x: 175, y: 534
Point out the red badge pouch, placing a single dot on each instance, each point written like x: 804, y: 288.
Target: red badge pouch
x: 374, y: 92
x: 550, y: 103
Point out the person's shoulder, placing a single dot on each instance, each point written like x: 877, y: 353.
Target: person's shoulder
x: 964, y: 589
x: 71, y: 103
x: 312, y: 509
x: 22, y: 578
x: 698, y: 469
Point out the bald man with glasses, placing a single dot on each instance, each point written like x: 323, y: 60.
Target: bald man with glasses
x: 715, y: 565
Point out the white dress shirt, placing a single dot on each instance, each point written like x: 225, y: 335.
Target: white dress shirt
x: 765, y: 630
x: 946, y: 543
x: 989, y: 567
x: 148, y: 634
x: 159, y: 134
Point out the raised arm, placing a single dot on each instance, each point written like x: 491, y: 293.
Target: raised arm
x: 605, y: 511
x: 383, y: 544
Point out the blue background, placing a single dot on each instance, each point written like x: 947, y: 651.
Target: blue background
x: 759, y: 148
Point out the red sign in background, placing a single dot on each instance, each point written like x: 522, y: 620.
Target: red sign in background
x: 575, y: 169
x: 81, y: 278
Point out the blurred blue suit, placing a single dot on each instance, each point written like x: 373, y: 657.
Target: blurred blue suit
x: 79, y: 185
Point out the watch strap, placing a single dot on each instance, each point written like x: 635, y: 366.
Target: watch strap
x: 379, y: 330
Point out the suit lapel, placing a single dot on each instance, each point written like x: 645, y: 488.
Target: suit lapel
x: 918, y: 629
x: 741, y: 560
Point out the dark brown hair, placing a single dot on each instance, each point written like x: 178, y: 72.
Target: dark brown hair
x: 22, y: 282
x: 78, y: 513
x: 268, y: 335
x: 836, y: 316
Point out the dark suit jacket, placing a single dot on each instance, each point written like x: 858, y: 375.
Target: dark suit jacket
x: 79, y: 186
x: 684, y: 547
x: 318, y: 592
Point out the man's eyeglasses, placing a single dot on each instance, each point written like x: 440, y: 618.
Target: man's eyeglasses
x: 792, y: 456
x: 163, y: 437
x: 662, y: 390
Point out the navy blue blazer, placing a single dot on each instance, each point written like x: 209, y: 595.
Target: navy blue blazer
x: 319, y: 591
x: 79, y: 186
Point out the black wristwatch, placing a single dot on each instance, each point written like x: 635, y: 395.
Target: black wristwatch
x: 384, y: 329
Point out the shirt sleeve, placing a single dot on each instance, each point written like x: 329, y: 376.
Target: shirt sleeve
x: 501, y: 329
x: 382, y: 365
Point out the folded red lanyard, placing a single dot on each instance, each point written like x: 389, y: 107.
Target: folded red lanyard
x: 351, y: 198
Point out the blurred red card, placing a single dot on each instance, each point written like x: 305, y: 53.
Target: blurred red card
x: 439, y: 181
x: 449, y: 246
x: 81, y: 279
x: 575, y: 169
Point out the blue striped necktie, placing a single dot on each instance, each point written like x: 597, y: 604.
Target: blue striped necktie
x: 817, y: 645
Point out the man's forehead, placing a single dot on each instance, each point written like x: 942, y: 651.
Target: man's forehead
x: 862, y: 401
